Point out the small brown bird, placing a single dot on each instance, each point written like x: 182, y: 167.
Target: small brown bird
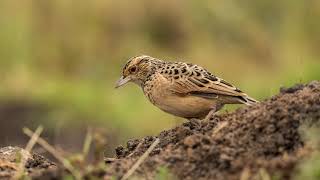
x: 182, y: 89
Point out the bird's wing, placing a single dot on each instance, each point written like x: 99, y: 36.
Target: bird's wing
x: 197, y: 81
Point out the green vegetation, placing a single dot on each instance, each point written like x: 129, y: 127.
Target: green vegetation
x: 68, y: 54
x: 164, y: 174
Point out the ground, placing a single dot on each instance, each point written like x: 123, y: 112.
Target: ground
x: 264, y: 140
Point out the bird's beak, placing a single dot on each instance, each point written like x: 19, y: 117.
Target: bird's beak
x: 122, y: 81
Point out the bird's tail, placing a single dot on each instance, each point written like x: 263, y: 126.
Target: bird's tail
x: 248, y: 100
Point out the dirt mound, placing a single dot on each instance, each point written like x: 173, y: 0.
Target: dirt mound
x: 36, y: 165
x: 264, y: 137
x: 252, y: 141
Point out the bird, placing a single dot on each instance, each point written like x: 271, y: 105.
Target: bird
x: 182, y: 89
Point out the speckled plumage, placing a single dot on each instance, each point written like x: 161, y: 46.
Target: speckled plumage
x: 182, y: 89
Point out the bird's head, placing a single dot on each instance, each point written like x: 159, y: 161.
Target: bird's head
x: 137, y: 70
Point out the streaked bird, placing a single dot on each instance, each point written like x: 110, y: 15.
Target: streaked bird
x: 182, y: 89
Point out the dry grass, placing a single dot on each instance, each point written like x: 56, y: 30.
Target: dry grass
x: 33, y: 140
x: 65, y: 162
x: 140, y: 160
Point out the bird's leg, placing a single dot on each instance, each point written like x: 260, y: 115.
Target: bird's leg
x: 210, y: 114
x: 214, y: 109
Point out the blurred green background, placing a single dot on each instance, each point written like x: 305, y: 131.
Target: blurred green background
x: 59, y: 59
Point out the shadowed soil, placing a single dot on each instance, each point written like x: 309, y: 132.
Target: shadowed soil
x: 245, y: 144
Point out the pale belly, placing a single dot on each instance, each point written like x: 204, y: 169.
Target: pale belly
x: 187, y: 106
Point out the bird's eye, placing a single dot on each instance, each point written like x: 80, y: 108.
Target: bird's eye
x: 133, y: 69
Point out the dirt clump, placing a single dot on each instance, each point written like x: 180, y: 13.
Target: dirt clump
x: 263, y: 137
x: 36, y: 165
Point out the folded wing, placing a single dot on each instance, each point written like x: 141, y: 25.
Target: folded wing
x: 196, y: 81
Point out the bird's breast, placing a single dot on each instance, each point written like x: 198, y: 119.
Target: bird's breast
x: 187, y: 106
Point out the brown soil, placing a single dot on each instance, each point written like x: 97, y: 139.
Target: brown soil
x: 36, y: 165
x: 247, y: 143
